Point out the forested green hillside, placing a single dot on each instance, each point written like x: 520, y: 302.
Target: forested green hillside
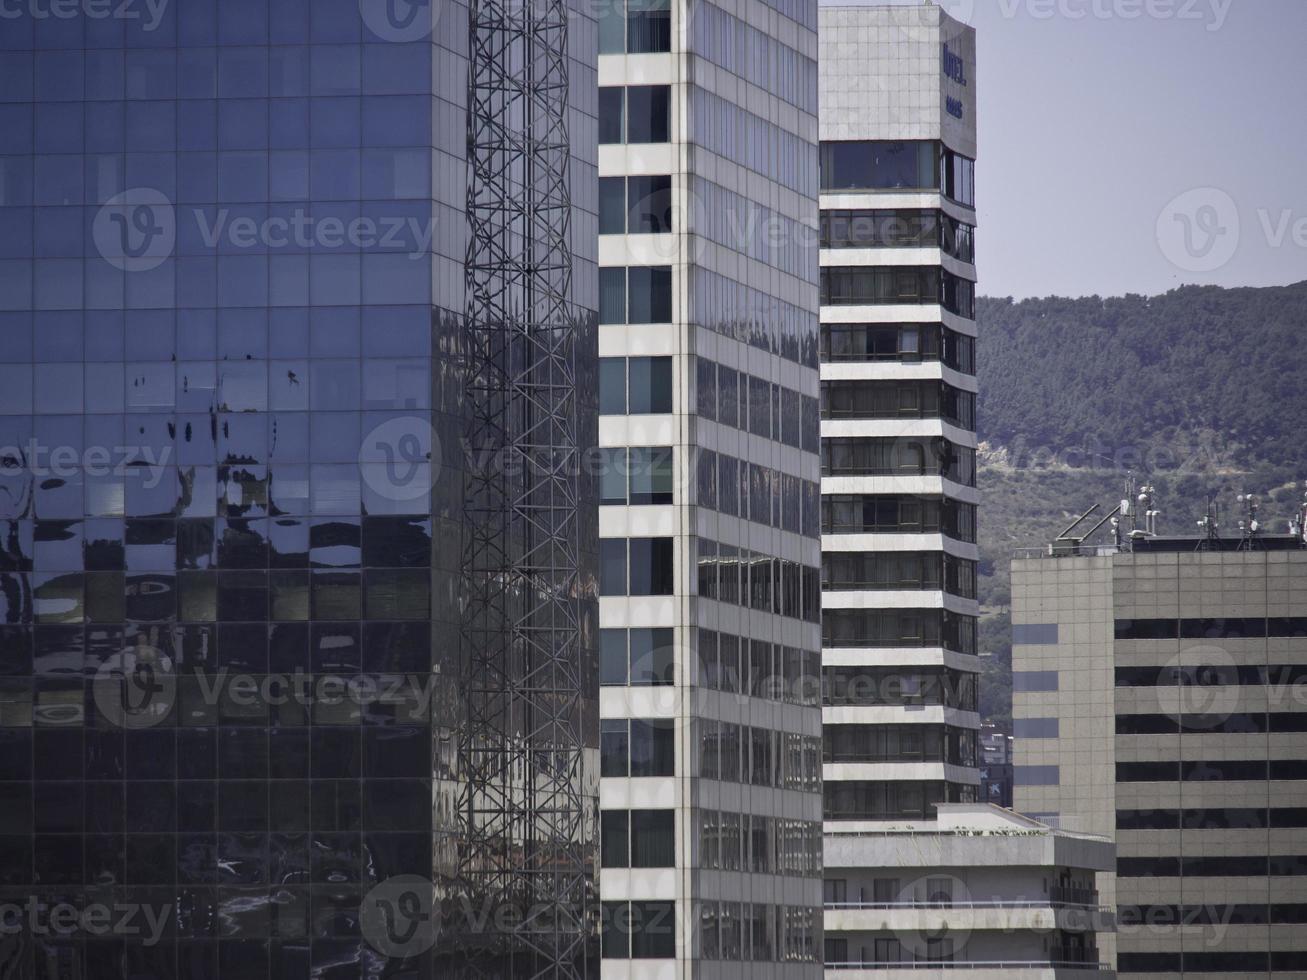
x: 1200, y: 390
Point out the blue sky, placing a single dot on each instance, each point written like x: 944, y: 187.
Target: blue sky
x: 1136, y: 145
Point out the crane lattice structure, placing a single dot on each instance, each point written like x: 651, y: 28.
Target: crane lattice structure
x: 523, y: 810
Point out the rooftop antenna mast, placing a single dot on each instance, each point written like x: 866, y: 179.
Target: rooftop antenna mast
x: 1146, y: 507
x: 1249, y: 525
x: 1298, y: 523
x: 1210, y: 524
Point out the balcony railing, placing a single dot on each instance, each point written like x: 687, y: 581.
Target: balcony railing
x: 970, y: 965
x: 1023, y: 903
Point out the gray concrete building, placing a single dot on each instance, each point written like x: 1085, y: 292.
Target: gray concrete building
x: 1158, y: 697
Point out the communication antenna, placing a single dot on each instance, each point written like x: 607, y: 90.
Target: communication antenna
x: 1298, y: 523
x: 1145, y: 507
x: 1210, y: 524
x: 1249, y: 525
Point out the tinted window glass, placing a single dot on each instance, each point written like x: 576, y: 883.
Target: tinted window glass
x: 610, y: 114
x: 649, y: 112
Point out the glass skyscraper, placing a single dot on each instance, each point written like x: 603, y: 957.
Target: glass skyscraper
x: 245, y: 405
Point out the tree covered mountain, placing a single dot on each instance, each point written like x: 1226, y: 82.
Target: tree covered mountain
x: 1201, y: 390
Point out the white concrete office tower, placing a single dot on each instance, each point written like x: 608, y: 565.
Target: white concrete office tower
x: 980, y: 889
x: 710, y: 472
x: 898, y: 141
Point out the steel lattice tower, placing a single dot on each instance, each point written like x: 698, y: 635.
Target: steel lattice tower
x: 523, y: 808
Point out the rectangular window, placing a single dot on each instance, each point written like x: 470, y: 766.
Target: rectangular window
x: 614, y: 659
x: 637, y: 839
x: 653, y: 746
x: 612, y: 386
x: 650, y: 385
x: 614, y: 744
x: 880, y: 165
x: 612, y: 104
x: 637, y: 476
x: 652, y: 568
x: 612, y: 566
x: 1031, y: 681
x: 612, y: 295
x: 1034, y: 727
x: 613, y: 474
x: 648, y: 26
x: 612, y: 205
x: 614, y: 839
x: 648, y: 112
x: 651, y: 477
x: 635, y: 205
x: 649, y: 205
x: 653, y: 839
x: 649, y: 294
x: 653, y: 930
x: 610, y: 15
x: 1031, y: 633
x: 1035, y: 775
x: 653, y: 654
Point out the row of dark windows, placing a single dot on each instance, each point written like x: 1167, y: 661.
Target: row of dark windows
x: 860, y: 399
x: 757, y: 493
x: 637, y: 839
x: 196, y: 697
x: 1215, y: 818
x: 754, y: 580
x: 636, y: 475
x: 142, y: 545
x: 255, y: 648
x: 758, y: 756
x: 736, y: 931
x: 1212, y: 675
x: 1223, y: 866
x: 1238, y: 723
x: 245, y: 862
x: 635, y: 205
x: 635, y: 385
x: 865, y: 285
x: 635, y: 113
x: 911, y: 456
x: 761, y: 845
x: 1244, y: 963
x: 637, y: 747
x: 212, y: 597
x: 867, y: 800
x: 898, y: 229
x: 755, y: 405
x: 845, y: 571
x: 901, y: 514
x: 636, y: 566
x: 906, y: 165
x: 637, y: 930
x: 898, y: 628
x: 637, y: 657
x: 908, y: 343
x: 1275, y: 913
x: 634, y: 26
x: 757, y: 668
x: 1210, y: 770
x: 899, y: 686
x: 899, y: 743
x: 635, y: 294
x: 1209, y: 629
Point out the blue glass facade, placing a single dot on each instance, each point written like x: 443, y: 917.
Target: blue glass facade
x: 231, y: 417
